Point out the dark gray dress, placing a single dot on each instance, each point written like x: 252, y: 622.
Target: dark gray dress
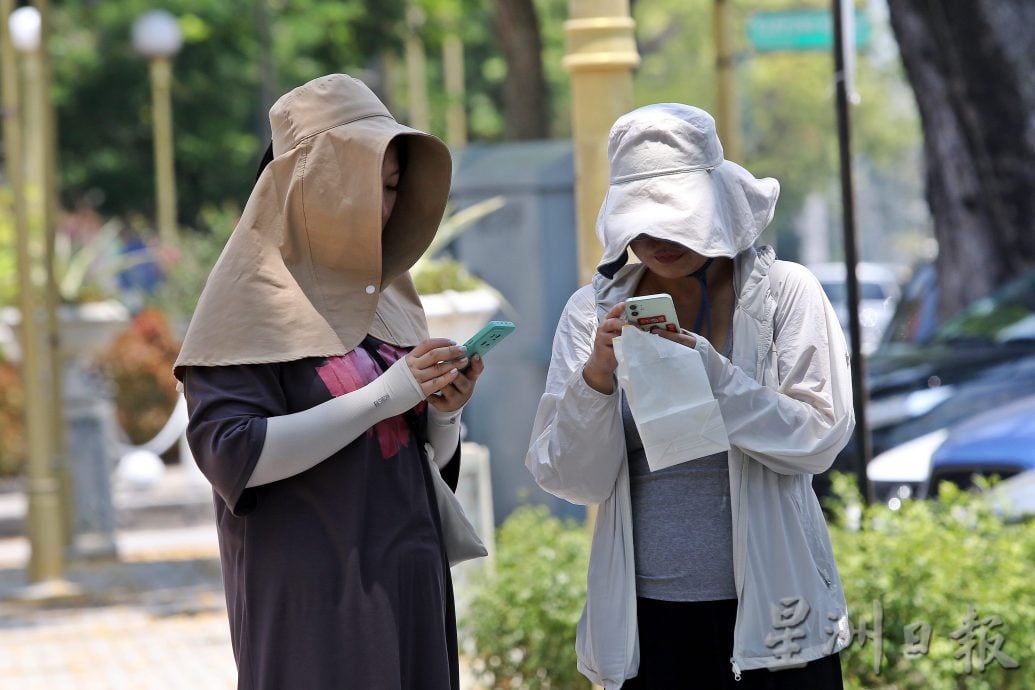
x: 336, y: 577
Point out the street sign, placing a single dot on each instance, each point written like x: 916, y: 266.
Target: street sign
x: 799, y: 30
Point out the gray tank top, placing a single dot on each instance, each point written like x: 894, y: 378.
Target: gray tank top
x: 682, y: 525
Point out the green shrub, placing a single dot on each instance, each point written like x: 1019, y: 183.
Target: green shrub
x: 931, y: 562
x: 521, y: 617
x: 928, y: 563
x: 444, y: 274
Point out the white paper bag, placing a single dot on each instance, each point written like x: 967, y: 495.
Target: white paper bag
x: 670, y: 398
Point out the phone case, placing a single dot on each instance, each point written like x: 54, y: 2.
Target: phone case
x: 488, y: 337
x: 647, y: 311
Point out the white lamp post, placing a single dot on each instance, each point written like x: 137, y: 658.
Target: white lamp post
x: 157, y: 36
x: 25, y: 25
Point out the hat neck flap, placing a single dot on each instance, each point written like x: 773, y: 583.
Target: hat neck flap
x: 308, y: 271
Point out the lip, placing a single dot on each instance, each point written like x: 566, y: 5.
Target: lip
x: 668, y: 257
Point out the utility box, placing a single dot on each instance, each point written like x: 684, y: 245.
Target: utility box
x: 527, y: 251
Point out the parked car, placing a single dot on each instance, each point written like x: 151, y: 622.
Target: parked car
x: 997, y: 443
x: 1016, y: 496
x: 980, y: 360
x: 916, y: 315
x: 878, y: 295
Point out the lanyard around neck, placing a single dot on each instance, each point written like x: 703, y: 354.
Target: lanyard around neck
x: 704, y: 314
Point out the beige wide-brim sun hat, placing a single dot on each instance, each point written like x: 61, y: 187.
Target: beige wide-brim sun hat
x: 669, y: 179
x: 308, y: 271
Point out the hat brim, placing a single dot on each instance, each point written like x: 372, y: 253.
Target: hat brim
x: 716, y: 212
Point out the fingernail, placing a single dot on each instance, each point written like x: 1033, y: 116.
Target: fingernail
x: 478, y: 357
x: 463, y: 359
x: 463, y: 348
x: 453, y: 371
x: 452, y: 342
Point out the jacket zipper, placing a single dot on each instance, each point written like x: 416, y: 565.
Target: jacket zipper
x: 736, y: 669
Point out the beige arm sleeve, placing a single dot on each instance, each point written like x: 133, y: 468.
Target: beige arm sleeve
x: 443, y: 434
x: 296, y: 442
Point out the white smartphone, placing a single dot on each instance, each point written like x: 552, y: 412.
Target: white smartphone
x: 647, y: 311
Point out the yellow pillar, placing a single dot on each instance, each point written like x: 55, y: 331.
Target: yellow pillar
x: 453, y: 66
x: 416, y: 71
x: 165, y: 172
x: 52, y: 300
x: 601, y: 55
x: 727, y: 114
x: 46, y: 562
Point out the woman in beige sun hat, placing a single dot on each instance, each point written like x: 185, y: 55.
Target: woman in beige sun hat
x: 709, y: 572
x: 312, y: 386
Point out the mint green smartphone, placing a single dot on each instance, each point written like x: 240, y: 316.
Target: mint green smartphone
x: 487, y: 338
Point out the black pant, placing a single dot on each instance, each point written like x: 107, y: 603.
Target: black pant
x: 685, y: 645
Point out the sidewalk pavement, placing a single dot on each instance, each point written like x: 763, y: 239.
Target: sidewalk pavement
x: 155, y: 619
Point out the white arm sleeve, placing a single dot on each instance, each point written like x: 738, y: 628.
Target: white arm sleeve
x: 296, y: 442
x: 443, y: 434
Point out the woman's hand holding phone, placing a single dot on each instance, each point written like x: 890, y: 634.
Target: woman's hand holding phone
x: 445, y: 374
x: 435, y: 364
x: 599, y: 370
x: 657, y: 314
x: 457, y: 392
x: 683, y: 337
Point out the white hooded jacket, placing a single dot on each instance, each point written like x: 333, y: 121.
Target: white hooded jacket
x: 786, y: 398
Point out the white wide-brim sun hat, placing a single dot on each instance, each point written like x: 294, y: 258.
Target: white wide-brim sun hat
x: 669, y: 180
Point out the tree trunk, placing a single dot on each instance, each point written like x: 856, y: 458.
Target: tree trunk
x: 970, y: 64
x: 526, y: 109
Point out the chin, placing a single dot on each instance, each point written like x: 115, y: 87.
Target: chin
x: 679, y: 269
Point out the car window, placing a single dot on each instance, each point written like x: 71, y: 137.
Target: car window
x: 916, y: 316
x: 837, y: 292
x: 1007, y: 315
x: 871, y: 291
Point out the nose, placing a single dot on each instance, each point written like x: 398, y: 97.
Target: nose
x: 655, y: 244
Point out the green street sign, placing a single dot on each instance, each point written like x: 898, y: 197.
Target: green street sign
x: 799, y: 30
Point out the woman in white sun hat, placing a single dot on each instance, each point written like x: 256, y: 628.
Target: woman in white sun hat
x: 715, y: 572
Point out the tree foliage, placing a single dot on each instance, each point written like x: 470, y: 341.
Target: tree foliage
x: 237, y: 58
x: 102, y: 92
x: 787, y: 111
